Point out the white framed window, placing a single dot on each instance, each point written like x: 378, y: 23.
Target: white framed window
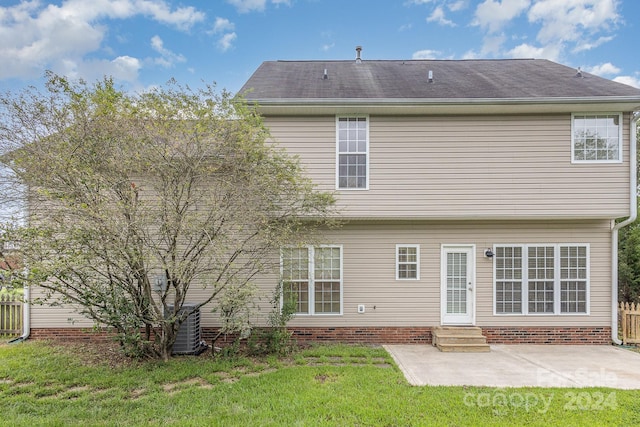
x: 352, y: 153
x: 407, y: 262
x: 574, y: 279
x: 508, y: 279
x: 596, y: 138
x: 312, y: 276
x: 541, y: 279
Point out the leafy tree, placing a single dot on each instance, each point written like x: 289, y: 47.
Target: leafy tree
x: 629, y: 258
x: 173, y: 185
x: 629, y: 263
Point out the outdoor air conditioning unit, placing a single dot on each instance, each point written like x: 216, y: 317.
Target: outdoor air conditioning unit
x: 189, y: 340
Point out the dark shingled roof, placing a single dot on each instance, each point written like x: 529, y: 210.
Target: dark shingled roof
x: 464, y: 79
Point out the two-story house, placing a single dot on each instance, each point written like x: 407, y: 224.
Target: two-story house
x: 475, y: 192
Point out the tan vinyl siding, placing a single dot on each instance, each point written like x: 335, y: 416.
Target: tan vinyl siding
x: 465, y: 166
x: 369, y: 274
x: 369, y: 271
x: 45, y: 316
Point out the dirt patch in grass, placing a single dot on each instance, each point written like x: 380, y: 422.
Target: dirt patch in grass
x: 137, y: 393
x: 326, y: 378
x: 109, y: 354
x: 97, y: 353
x: 175, y: 387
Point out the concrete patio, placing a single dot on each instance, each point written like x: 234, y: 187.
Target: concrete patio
x: 521, y: 366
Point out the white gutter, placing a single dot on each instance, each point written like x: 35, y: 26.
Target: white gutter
x: 633, y: 200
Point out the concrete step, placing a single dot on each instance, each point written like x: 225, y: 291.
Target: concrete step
x: 459, y: 339
x: 457, y: 330
x: 464, y: 348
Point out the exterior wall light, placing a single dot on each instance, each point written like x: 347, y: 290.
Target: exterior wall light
x: 488, y: 253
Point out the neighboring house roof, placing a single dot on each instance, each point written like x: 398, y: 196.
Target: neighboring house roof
x: 453, y: 82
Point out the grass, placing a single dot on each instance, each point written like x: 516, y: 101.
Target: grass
x: 46, y: 384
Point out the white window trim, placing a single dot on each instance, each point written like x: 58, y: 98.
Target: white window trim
x: 620, y: 140
x: 417, y: 247
x: 337, y: 161
x: 524, y: 295
x: 556, y: 280
x: 311, y: 270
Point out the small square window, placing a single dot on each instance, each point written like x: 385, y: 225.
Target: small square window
x: 596, y: 138
x: 407, y: 262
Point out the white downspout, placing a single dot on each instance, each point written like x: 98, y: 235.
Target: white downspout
x: 633, y: 194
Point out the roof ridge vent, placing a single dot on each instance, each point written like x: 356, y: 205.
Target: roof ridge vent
x: 358, y: 50
x: 579, y: 72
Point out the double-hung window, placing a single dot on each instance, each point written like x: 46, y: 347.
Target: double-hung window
x: 407, y: 262
x: 312, y: 278
x: 541, y: 279
x: 352, y: 171
x: 596, y: 138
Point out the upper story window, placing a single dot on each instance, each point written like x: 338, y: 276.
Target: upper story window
x: 596, y: 137
x: 353, y: 153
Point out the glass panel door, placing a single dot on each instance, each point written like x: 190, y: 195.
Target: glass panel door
x: 458, y: 282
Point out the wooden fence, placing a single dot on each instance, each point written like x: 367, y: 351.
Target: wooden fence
x: 10, y: 314
x: 630, y: 322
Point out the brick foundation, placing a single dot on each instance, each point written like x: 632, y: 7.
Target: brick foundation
x: 548, y: 335
x: 70, y: 334
x: 382, y: 335
x: 371, y: 335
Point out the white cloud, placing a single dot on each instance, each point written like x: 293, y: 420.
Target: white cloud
x: 562, y: 26
x: 493, y: 15
x: 182, y: 17
x: 628, y: 80
x: 327, y: 47
x: 419, y: 1
x: 606, y: 69
x: 125, y: 68
x: 426, y: 54
x: 226, y: 41
x: 167, y: 58
x: 583, y: 45
x: 438, y: 16
x: 226, y: 27
x: 223, y: 24
x: 246, y: 6
x: 36, y: 37
x: 471, y: 54
x: 571, y: 20
x: 405, y: 27
x: 525, y: 50
x: 492, y: 44
x: 458, y: 5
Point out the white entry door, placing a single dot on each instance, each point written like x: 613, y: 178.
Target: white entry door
x: 458, y: 284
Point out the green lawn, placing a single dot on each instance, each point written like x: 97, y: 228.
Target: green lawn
x: 44, y: 384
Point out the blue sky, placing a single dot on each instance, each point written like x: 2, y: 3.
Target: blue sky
x: 142, y: 43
